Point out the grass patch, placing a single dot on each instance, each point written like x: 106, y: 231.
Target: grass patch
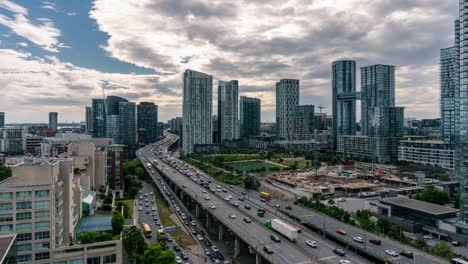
x: 216, y: 173
x: 301, y: 164
x: 165, y: 219
x: 253, y: 166
x: 130, y: 204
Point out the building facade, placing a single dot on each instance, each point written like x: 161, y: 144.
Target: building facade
x: 2, y: 119
x: 175, y: 125
x: 287, y: 97
x: 53, y: 121
x: 147, y: 122
x: 197, y: 110
x: 427, y: 152
x: 384, y: 150
x: 228, y: 110
x: 448, y: 86
x: 115, y: 161
x: 388, y: 121
x: 11, y: 140
x: 377, y: 90
x: 89, y: 120
x: 128, y: 128
x: 250, y: 117
x: 302, y: 122
x: 343, y: 98
x: 99, y: 118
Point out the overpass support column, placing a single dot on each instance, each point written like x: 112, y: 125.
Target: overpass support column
x: 258, y: 258
x: 236, y: 247
x: 182, y: 196
x: 197, y: 210
x: 220, y: 231
x: 207, y: 221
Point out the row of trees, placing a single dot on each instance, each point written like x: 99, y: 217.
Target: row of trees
x: 134, y: 173
x: 140, y: 252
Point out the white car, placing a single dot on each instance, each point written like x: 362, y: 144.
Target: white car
x: 428, y: 237
x: 233, y: 216
x: 214, y: 248
x: 178, y: 260
x: 344, y: 261
x: 358, y: 239
x: 200, y: 238
x: 207, y: 197
x: 311, y: 243
x: 212, y: 206
x: 342, y: 199
x: 392, y: 253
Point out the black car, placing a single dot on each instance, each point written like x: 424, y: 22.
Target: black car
x: 207, y: 243
x: 247, y: 207
x: 219, y: 255
x: 407, y: 254
x: 201, y: 232
x: 176, y: 248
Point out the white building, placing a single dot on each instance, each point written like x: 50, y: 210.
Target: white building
x: 433, y: 153
x: 287, y: 98
x: 197, y: 110
x: 228, y: 110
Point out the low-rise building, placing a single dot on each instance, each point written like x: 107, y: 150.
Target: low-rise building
x: 433, y: 153
x: 385, y: 149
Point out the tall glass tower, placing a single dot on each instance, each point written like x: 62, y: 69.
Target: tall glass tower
x: 250, y: 116
x: 461, y: 123
x: 99, y: 118
x: 147, y: 122
x: 344, y: 98
x: 287, y: 97
x: 228, y: 110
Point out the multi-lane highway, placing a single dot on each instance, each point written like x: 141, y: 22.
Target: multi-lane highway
x: 331, y: 225
x: 322, y: 254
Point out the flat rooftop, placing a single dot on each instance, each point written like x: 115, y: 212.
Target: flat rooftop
x: 425, y: 207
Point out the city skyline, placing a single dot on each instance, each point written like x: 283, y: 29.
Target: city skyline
x: 38, y: 48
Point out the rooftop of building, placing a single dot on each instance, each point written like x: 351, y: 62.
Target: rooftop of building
x: 424, y: 141
x: 420, y: 206
x: 6, y: 241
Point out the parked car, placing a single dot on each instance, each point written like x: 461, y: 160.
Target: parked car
x: 455, y: 243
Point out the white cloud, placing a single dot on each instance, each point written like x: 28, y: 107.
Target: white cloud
x: 44, y: 34
x: 35, y: 86
x: 259, y: 42
x: 71, y: 14
x: 22, y: 44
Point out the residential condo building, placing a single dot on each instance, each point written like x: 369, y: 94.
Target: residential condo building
x: 228, y: 110
x: 89, y: 120
x: 302, y: 122
x: 147, y: 122
x: 250, y: 117
x: 99, y: 118
x: 197, y: 110
x: 287, y: 97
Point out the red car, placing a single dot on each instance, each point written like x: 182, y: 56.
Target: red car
x: 375, y: 241
x: 341, y: 232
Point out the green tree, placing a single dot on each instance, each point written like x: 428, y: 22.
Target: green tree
x: 431, y: 194
x: 134, y: 243
x: 140, y: 172
x: 117, y: 223
x: 89, y: 237
x: 126, y: 209
x: 5, y: 172
x: 443, y: 250
x: 158, y: 254
x: 419, y: 242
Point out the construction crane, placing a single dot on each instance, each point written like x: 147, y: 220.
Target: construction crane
x: 321, y: 107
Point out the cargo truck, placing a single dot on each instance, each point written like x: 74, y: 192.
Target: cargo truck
x: 284, y: 229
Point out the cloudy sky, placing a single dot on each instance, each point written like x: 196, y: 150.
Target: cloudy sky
x: 58, y: 55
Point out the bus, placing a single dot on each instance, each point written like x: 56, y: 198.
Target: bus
x: 265, y: 195
x: 147, y: 230
x: 458, y: 261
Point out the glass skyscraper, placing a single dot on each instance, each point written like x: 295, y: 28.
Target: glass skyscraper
x: 344, y: 98
x: 287, y: 97
x: 2, y: 119
x: 228, y: 110
x: 377, y: 90
x: 302, y: 121
x: 127, y: 128
x: 53, y: 120
x: 99, y: 118
x: 250, y: 117
x: 147, y: 122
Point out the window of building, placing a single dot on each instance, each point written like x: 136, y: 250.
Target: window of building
x: 23, y: 205
x: 77, y: 261
x: 23, y: 216
x: 94, y: 260
x: 41, y: 204
x: 6, y: 228
x: 42, y: 255
x: 42, y: 246
x: 42, y: 225
x: 6, y: 196
x: 6, y: 206
x: 24, y: 195
x: 42, y: 194
x: 60, y: 262
x: 6, y: 218
x: 24, y: 258
x: 24, y: 227
x: 24, y: 237
x: 42, y: 235
x: 109, y: 259
x: 24, y: 247
x: 41, y: 214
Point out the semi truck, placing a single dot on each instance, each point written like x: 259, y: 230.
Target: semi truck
x: 284, y: 229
